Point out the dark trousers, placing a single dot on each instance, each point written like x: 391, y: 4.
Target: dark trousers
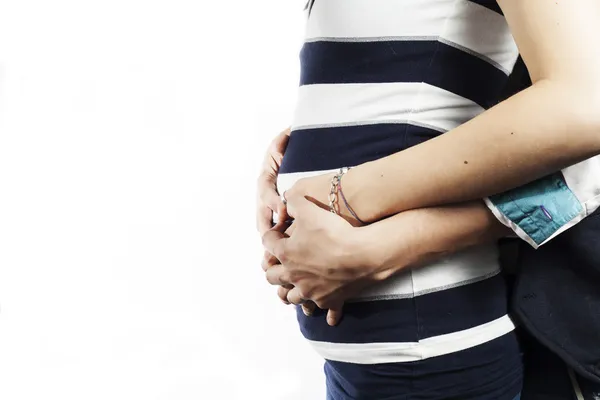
x: 548, y: 378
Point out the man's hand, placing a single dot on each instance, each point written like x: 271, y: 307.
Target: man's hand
x: 321, y: 258
x: 317, y: 189
x: 268, y: 198
x: 269, y: 260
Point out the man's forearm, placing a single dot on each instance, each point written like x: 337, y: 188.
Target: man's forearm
x: 424, y: 235
x: 532, y: 134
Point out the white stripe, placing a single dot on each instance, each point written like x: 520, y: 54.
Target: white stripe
x: 378, y: 18
x: 466, y: 24
x: 380, y: 353
x: 328, y: 105
x: 459, y: 269
x: 484, y: 32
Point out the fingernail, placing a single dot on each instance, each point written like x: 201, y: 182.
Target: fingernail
x: 308, y: 313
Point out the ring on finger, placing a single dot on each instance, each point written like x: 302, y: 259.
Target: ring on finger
x: 294, y: 298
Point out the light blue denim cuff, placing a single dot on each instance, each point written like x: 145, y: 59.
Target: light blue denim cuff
x: 539, y: 208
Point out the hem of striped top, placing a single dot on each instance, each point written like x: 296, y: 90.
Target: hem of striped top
x: 402, y: 352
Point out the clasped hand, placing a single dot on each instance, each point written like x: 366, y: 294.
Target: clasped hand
x: 317, y: 258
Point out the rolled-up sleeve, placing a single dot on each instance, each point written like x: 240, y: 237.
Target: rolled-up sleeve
x: 543, y: 209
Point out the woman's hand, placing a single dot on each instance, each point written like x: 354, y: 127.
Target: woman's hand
x: 317, y: 189
x: 268, y: 201
x: 321, y: 257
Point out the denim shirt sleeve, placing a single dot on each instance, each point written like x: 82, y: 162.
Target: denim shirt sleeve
x: 543, y: 209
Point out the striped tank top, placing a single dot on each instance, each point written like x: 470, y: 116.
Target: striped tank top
x: 379, y: 76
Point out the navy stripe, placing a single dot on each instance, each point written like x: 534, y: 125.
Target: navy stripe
x: 491, y: 4
x: 408, y: 320
x: 329, y: 148
x: 492, y: 370
x: 518, y: 80
x: 432, y: 62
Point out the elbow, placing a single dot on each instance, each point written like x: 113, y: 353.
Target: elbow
x: 590, y: 105
x: 589, y: 121
x: 582, y: 112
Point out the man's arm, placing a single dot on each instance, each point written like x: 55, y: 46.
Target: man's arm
x: 551, y: 125
x: 424, y: 235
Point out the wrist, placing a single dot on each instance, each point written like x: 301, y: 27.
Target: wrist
x: 374, y: 254
x: 364, y: 195
x: 352, y: 205
x: 396, y: 243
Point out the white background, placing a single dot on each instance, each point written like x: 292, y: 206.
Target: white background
x: 131, y: 134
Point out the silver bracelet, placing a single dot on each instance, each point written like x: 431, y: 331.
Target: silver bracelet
x: 335, y: 186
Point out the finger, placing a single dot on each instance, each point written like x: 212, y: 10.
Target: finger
x: 279, y: 145
x: 294, y: 203
x: 276, y: 150
x: 275, y: 243
x: 308, y: 308
x: 294, y: 296
x: 290, y: 230
x: 277, y: 275
x: 264, y: 220
x: 267, y: 217
x: 300, y: 207
x: 267, y: 192
x: 282, y: 226
x: 334, y: 315
x: 282, y: 213
x: 282, y: 292
x: 268, y: 261
x: 267, y: 189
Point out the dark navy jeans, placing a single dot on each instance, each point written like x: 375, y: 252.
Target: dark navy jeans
x: 332, y: 398
x: 548, y: 378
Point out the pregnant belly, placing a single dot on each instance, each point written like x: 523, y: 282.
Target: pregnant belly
x: 455, y: 303
x: 409, y: 325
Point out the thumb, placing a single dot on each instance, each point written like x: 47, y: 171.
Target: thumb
x: 282, y: 213
x: 302, y: 207
x: 334, y: 315
x: 267, y: 191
